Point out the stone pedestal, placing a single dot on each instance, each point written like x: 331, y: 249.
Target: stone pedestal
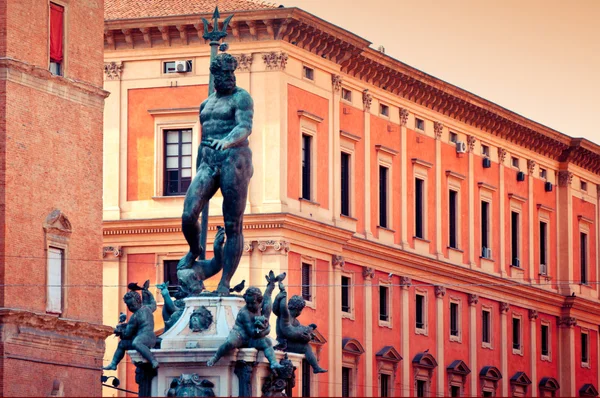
x: 186, y: 351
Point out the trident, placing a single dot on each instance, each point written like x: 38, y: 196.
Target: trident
x: 215, y: 36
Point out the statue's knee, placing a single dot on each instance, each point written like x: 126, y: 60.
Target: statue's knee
x: 233, y: 226
x: 188, y: 218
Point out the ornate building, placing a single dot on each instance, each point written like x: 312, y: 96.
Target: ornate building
x: 51, y: 103
x: 444, y: 245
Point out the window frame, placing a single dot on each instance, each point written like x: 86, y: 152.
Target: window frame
x: 585, y: 364
x: 343, y: 97
x: 57, y: 234
x: 350, y: 313
x: 419, y: 121
x: 50, y: 289
x: 172, y: 288
x: 306, y: 372
x: 454, y: 220
x: 351, y: 386
x: 424, y: 312
x: 386, y: 323
x: 487, y: 344
x: 519, y: 318
x: 420, y: 208
x: 485, y: 151
x: 390, y: 378
x: 385, y: 197
x: 455, y: 302
x: 548, y: 356
x: 453, y: 137
x: 513, y: 160
x: 516, y: 230
x: 311, y: 70
x: 543, y: 219
x: 180, y: 156
x: 312, y: 263
x: 65, y: 34
x: 348, y: 190
x: 306, y: 167
x: 584, y: 257
x: 384, y: 110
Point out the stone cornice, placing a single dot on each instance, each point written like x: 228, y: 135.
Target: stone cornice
x: 20, y: 72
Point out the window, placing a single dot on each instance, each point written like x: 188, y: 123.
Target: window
x: 55, y: 280
x: 421, y: 388
x: 543, y: 173
x: 514, y: 161
x: 453, y: 137
x: 485, y: 229
x: 485, y: 150
x: 306, y: 281
x: 516, y: 329
x: 384, y: 385
x: 454, y: 391
x: 346, y: 95
x: 419, y: 124
x: 488, y: 394
x: 383, y: 189
x: 514, y: 238
x: 454, y: 320
x: 346, y: 381
x: 419, y: 186
x: 545, y: 340
x: 583, y: 185
x: 453, y: 215
x: 420, y: 312
x: 486, y: 327
x: 585, y: 348
x: 543, y: 248
x: 306, y: 166
x: 345, y: 294
x: 345, y: 186
x: 306, y: 372
x: 583, y: 257
x: 308, y: 73
x: 56, y: 39
x: 170, y: 275
x: 384, y: 110
x: 177, y: 66
x: 384, y: 303
x: 178, y: 161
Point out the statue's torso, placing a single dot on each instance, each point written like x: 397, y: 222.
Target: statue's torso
x: 218, y: 114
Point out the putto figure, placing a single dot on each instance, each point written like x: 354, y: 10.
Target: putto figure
x: 291, y: 335
x: 138, y: 333
x: 252, y: 327
x: 224, y: 162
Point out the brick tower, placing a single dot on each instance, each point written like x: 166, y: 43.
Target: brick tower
x: 51, y: 104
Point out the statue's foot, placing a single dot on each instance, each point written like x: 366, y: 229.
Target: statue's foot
x: 222, y: 290
x: 110, y: 366
x: 154, y: 364
x: 211, y: 362
x: 187, y: 261
x: 319, y: 370
x: 276, y: 366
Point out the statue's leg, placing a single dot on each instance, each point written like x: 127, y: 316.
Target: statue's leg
x: 312, y: 360
x: 264, y: 344
x: 234, y: 340
x: 141, y: 344
x: 235, y: 177
x: 203, y: 187
x: 123, y: 346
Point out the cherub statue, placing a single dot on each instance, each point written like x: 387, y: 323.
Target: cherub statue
x: 138, y: 333
x: 291, y: 335
x: 190, y: 385
x: 252, y: 327
x: 192, y: 275
x: 172, y: 310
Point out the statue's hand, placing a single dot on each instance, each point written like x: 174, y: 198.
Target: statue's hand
x: 220, y: 145
x: 219, y: 237
x: 163, y: 286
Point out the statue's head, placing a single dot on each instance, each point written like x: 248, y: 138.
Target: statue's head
x: 253, y: 298
x: 133, y: 300
x: 223, y: 68
x: 296, y: 305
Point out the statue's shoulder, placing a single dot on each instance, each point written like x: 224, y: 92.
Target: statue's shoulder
x: 242, y: 97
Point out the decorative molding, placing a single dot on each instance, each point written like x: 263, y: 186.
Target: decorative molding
x: 115, y: 250
x: 516, y: 197
x: 113, y: 70
x: 310, y: 116
x: 545, y: 208
x: 349, y: 136
x: 367, y: 100
x: 173, y: 111
x: 437, y: 129
x: 244, y: 62
x: 336, y: 83
x: 471, y: 140
x: 421, y: 162
x: 337, y: 261
x: 249, y: 246
x: 504, y: 307
x: 275, y: 60
x: 533, y: 314
x: 403, y: 116
x: 385, y: 149
x: 177, y: 229
x: 502, y: 155
x: 531, y: 166
x: 473, y: 299
x: 368, y: 273
x: 485, y: 185
x: 440, y: 291
x: 405, y: 282
x: 565, y: 178
x: 585, y: 219
x: 57, y: 223
x: 277, y: 245
x: 450, y: 173
x: 567, y: 321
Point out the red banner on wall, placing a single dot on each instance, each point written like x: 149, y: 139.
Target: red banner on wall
x: 56, y: 32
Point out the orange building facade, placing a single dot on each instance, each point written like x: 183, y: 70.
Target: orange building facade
x: 444, y: 245
x: 51, y: 103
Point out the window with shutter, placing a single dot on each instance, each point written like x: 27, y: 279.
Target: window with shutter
x: 420, y: 318
x: 384, y: 385
x: 345, y: 187
x: 515, y: 238
x: 55, y: 280
x: 56, y: 38
x: 583, y: 257
x: 306, y: 166
x: 452, y: 214
x: 306, y: 372
x: 383, y: 188
x: 383, y: 303
x: 306, y: 281
x: 419, y: 185
x: 485, y: 321
x: 346, y: 380
x: 345, y: 294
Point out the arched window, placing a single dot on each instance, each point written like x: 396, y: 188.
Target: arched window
x: 489, y: 377
x: 548, y: 387
x: 388, y: 359
x: 457, y: 377
x: 519, y: 383
x: 423, y: 365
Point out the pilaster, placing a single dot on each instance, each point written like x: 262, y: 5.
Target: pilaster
x: 471, y: 147
x: 440, y: 292
x: 335, y: 330
x: 504, y: 307
x: 473, y: 341
x: 368, y: 274
x: 437, y: 129
x: 565, y: 228
x: 533, y: 316
x: 403, y: 180
x: 501, y: 157
x: 335, y: 156
x: 566, y: 355
x: 367, y: 128
x: 406, y: 381
x: 530, y: 203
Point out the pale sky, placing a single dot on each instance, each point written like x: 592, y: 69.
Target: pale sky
x: 538, y: 58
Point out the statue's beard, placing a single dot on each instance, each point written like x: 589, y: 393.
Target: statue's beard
x: 224, y: 84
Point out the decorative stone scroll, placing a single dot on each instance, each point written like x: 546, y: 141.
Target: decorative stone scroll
x: 405, y: 282
x: 115, y: 250
x: 437, y: 129
x: 337, y: 261
x: 244, y: 62
x: 248, y: 246
x: 277, y: 245
x: 403, y: 116
x: 531, y: 166
x: 473, y: 299
x: 367, y: 99
x: 504, y: 307
x: 471, y: 142
x: 533, y: 314
x: 565, y: 178
x: 275, y: 60
x: 113, y: 70
x: 440, y: 291
x: 567, y: 321
x: 336, y: 83
x: 501, y: 155
x: 368, y: 273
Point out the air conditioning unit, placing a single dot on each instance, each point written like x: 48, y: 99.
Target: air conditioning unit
x: 181, y: 66
x: 517, y: 262
x: 548, y: 186
x: 520, y: 176
x: 486, y: 252
x: 461, y: 147
x: 543, y: 269
x: 487, y: 163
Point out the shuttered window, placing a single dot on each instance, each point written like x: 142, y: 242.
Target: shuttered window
x: 419, y: 185
x: 383, y: 188
x: 345, y: 294
x: 55, y: 280
x: 452, y: 214
x: 383, y: 303
x: 346, y: 380
x: 305, y: 378
x: 306, y: 281
x: 345, y: 186
x: 385, y: 385
x: 306, y: 166
x: 583, y: 257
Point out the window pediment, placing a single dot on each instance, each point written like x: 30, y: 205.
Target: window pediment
x: 57, y: 223
x: 425, y: 360
x: 520, y: 378
x: 389, y: 353
x: 549, y: 384
x: 352, y: 346
x: 490, y: 373
x: 588, y: 390
x: 318, y: 338
x: 458, y: 367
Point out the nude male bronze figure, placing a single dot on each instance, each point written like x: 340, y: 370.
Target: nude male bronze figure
x: 224, y: 162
